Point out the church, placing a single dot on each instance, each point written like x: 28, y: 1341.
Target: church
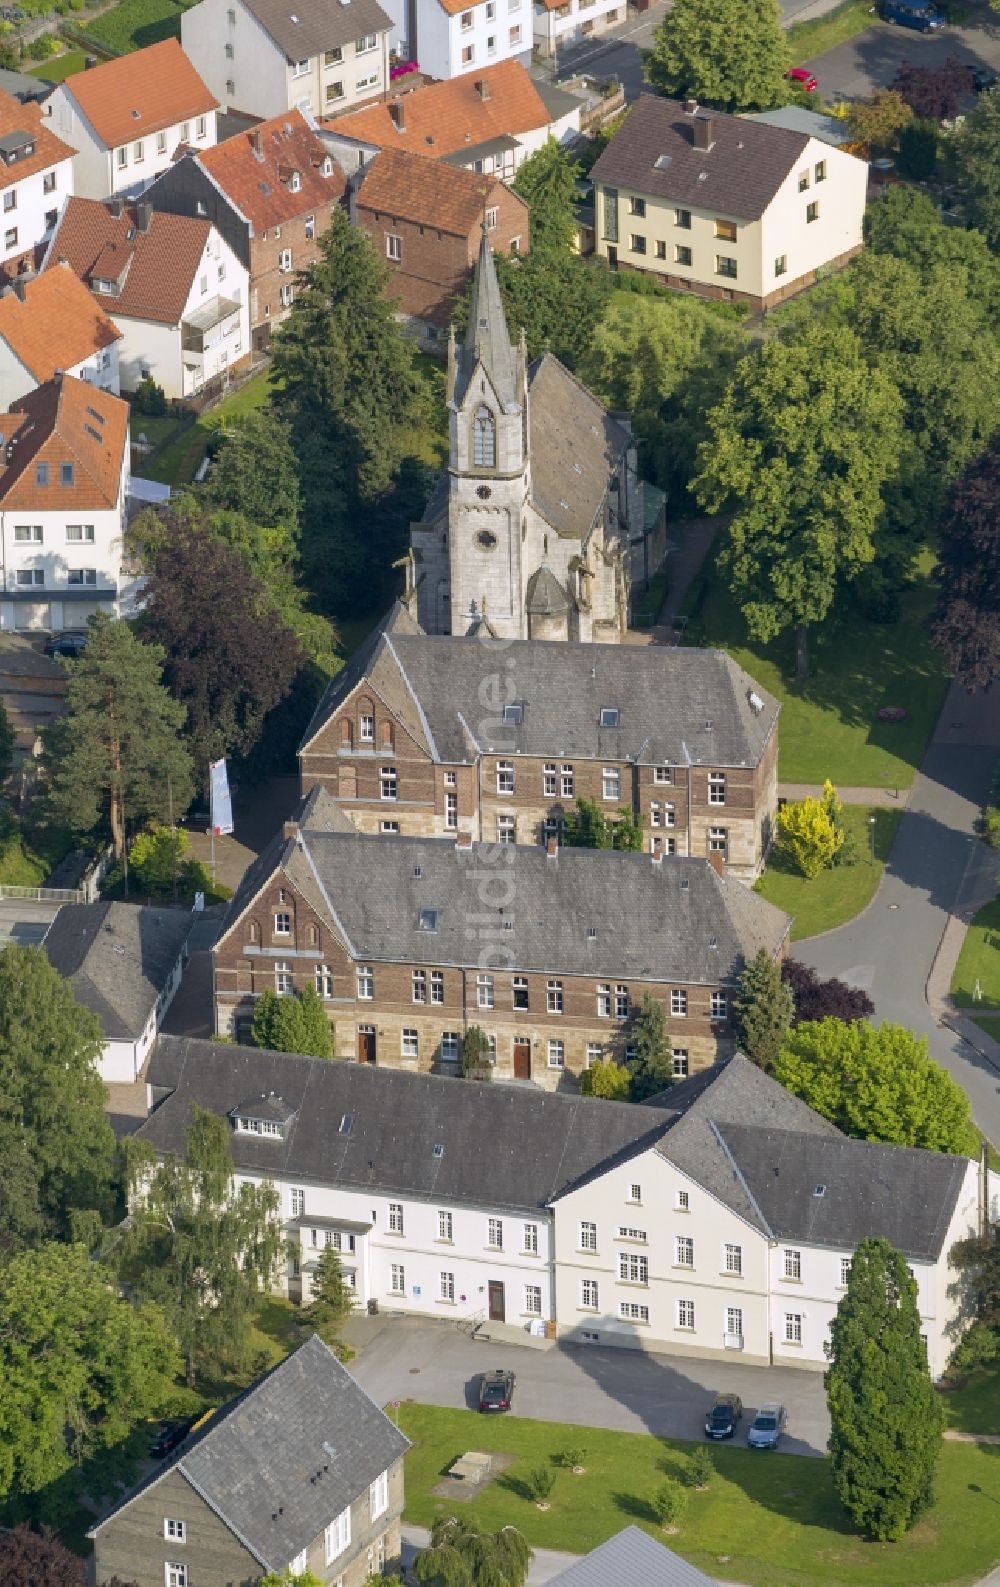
x: 530, y: 533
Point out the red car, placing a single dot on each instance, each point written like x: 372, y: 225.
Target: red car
x: 802, y: 78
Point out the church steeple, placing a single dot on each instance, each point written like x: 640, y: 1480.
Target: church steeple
x: 487, y: 341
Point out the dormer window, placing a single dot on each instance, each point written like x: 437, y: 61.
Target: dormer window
x: 294, y: 183
x: 484, y: 439
x: 266, y: 1116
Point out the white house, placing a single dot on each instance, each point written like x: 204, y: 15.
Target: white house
x: 725, y: 206
x: 720, y: 1220
x: 263, y: 57
x: 560, y: 23
x: 63, y: 492
x: 489, y: 122
x: 127, y: 118
x: 52, y: 322
x: 449, y: 37
x: 172, y: 286
x: 36, y: 175
x: 124, y: 963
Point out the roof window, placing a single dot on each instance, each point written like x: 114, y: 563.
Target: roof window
x: 439, y: 1150
x: 514, y: 714
x: 609, y: 716
x: 820, y: 1190
x: 347, y: 1124
x: 427, y: 920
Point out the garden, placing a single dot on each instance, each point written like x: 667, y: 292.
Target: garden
x: 838, y: 892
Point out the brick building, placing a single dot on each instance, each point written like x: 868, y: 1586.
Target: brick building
x: 269, y: 192
x: 426, y: 219
x: 433, y: 735
x: 548, y: 950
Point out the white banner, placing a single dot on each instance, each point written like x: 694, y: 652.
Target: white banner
x: 222, y: 804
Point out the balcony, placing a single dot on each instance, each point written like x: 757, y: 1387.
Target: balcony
x: 208, y: 326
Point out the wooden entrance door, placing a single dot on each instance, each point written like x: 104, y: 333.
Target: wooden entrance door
x: 366, y: 1044
x: 522, y: 1060
x: 497, y: 1313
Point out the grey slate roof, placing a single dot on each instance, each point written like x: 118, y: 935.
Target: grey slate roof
x: 305, y: 27
x: 514, y: 1146
x: 738, y: 177
x: 486, y: 338
x: 255, y: 1462
x: 905, y: 1195
x: 118, y: 958
x: 675, y: 920
x: 632, y: 1559
x: 545, y: 596
x: 665, y: 694
x: 575, y: 447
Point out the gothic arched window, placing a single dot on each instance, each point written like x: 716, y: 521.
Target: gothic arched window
x: 484, y: 439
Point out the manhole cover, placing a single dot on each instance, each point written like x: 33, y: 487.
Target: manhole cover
x: 414, y: 1372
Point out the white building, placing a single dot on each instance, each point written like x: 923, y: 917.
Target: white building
x: 124, y: 963
x: 51, y: 322
x: 262, y: 58
x: 36, y: 175
x: 127, y: 118
x: 722, y: 1222
x: 172, y: 286
x: 63, y: 497
x: 560, y: 23
x: 447, y: 38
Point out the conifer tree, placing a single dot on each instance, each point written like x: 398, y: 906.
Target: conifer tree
x: 764, y: 1009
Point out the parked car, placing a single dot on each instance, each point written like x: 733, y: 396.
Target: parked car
x: 803, y: 78
x: 722, y: 1418
x: 71, y: 642
x: 767, y: 1427
x: 917, y: 14
x: 170, y: 1437
x: 983, y: 80
x: 496, y: 1390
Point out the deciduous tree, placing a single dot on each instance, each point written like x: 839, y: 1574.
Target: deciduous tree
x: 934, y: 93
x: 975, y: 153
x: 547, y: 183
x: 815, y: 999
x: 877, y: 1082
x: 877, y: 121
x: 462, y: 1554
x: 808, y: 835
x: 979, y: 1258
x: 802, y: 445
x: 588, y: 827
x: 296, y: 1023
x: 255, y: 472
x: 35, y: 1559
x: 762, y: 1010
x: 722, y: 53
x: 886, y: 1420
x: 201, y: 1247
x: 966, y: 621
x: 607, y: 1079
x: 116, y: 759
x: 22, y: 1222
x: 557, y: 299
x: 63, y: 1152
x: 79, y: 1366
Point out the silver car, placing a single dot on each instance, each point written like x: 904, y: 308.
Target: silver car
x: 767, y: 1427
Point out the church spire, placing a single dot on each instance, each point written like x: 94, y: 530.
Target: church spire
x: 486, y: 339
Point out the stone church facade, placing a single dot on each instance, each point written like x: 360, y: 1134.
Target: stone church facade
x: 528, y: 534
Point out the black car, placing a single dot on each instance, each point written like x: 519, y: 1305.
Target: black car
x: 170, y: 1437
x: 983, y: 80
x: 722, y: 1418
x: 496, y: 1390
x: 72, y: 642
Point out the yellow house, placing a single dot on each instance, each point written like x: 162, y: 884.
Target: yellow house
x: 725, y: 206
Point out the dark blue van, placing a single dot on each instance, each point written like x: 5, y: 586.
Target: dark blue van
x: 917, y: 14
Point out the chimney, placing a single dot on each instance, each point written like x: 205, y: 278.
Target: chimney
x: 257, y: 143
x: 552, y: 847
x: 704, y: 132
x: 463, y: 840
x: 718, y: 864
x: 657, y: 858
x: 143, y: 217
x: 20, y: 286
x: 116, y: 208
x: 397, y: 111
x: 483, y: 89
x: 290, y: 830
x: 690, y: 107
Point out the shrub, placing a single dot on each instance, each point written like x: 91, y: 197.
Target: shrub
x: 978, y: 1347
x: 669, y: 1502
x: 918, y: 150
x: 700, y: 1468
x: 149, y: 398
x: 992, y: 826
x: 572, y: 1455
x: 540, y: 1482
x: 809, y: 836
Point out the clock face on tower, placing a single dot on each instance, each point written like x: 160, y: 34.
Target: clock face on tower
x: 486, y: 540
x: 483, y: 492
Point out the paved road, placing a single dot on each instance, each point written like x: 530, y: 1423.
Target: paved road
x: 871, y: 59
x: 936, y: 866
x: 590, y: 1386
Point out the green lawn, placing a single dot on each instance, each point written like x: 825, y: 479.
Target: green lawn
x: 58, y: 67
x: 27, y: 860
x: 767, y: 1520
x: 137, y: 23
x: 979, y: 961
x: 829, y: 724
x: 183, y: 452
x: 838, y: 894
x: 809, y: 39
x: 975, y: 1407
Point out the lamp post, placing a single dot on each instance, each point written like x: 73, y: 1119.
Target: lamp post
x: 871, y: 839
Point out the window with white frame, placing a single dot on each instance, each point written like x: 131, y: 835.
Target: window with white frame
x: 445, y: 1226
x: 845, y: 1271
x: 299, y: 1565
x: 793, y: 1328
x: 634, y: 1194
x: 494, y: 1237
x: 175, y: 1575
x: 719, y: 1005
x: 176, y: 1531
x: 557, y: 1055
x: 549, y: 781
x: 485, y: 994
x: 388, y: 783
x: 300, y: 68
x: 284, y: 981
x: 633, y: 1311
x: 533, y: 1300
x: 297, y: 1200
x: 324, y: 980
x: 418, y: 986
x: 679, y: 1002
x: 792, y: 1264
x: 718, y: 840
x: 566, y: 782
x: 366, y: 728
x: 734, y: 1322
x: 505, y: 776
x: 685, y: 1314
x: 451, y: 812
x: 663, y: 774
x: 633, y: 1268
x: 529, y: 1239
x: 393, y: 247
x: 337, y: 1536
x: 732, y: 1258
x: 611, y: 783
x: 506, y: 828
x: 397, y: 1279
x: 395, y: 1217
x: 588, y: 1294
x: 520, y: 991
x: 446, y: 1286
x: 621, y: 1002
x: 717, y: 788
x: 683, y: 1250
x: 409, y: 1043
x: 366, y: 983
x: 604, y: 1000
x: 682, y: 1201
x: 679, y: 1063
x: 30, y: 533
x: 554, y: 997
x: 449, y: 1046
x: 437, y: 986
x: 282, y: 924
x: 595, y: 1054
x: 588, y: 1236
x: 627, y: 1232
x: 77, y: 533
x: 378, y: 1496
x: 669, y: 814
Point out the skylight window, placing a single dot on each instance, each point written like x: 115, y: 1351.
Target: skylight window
x: 427, y: 920
x: 609, y: 716
x: 514, y: 714
x: 439, y: 1150
x: 820, y: 1190
x: 347, y: 1124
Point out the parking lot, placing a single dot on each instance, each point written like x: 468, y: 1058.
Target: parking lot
x: 625, y: 1390
x: 871, y: 59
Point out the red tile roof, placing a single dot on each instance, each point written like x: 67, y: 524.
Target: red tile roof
x: 260, y: 184
x: 442, y: 118
x: 49, y: 149
x: 141, y: 93
x: 154, y: 269
x: 411, y: 187
x: 58, y: 324
x: 64, y: 421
